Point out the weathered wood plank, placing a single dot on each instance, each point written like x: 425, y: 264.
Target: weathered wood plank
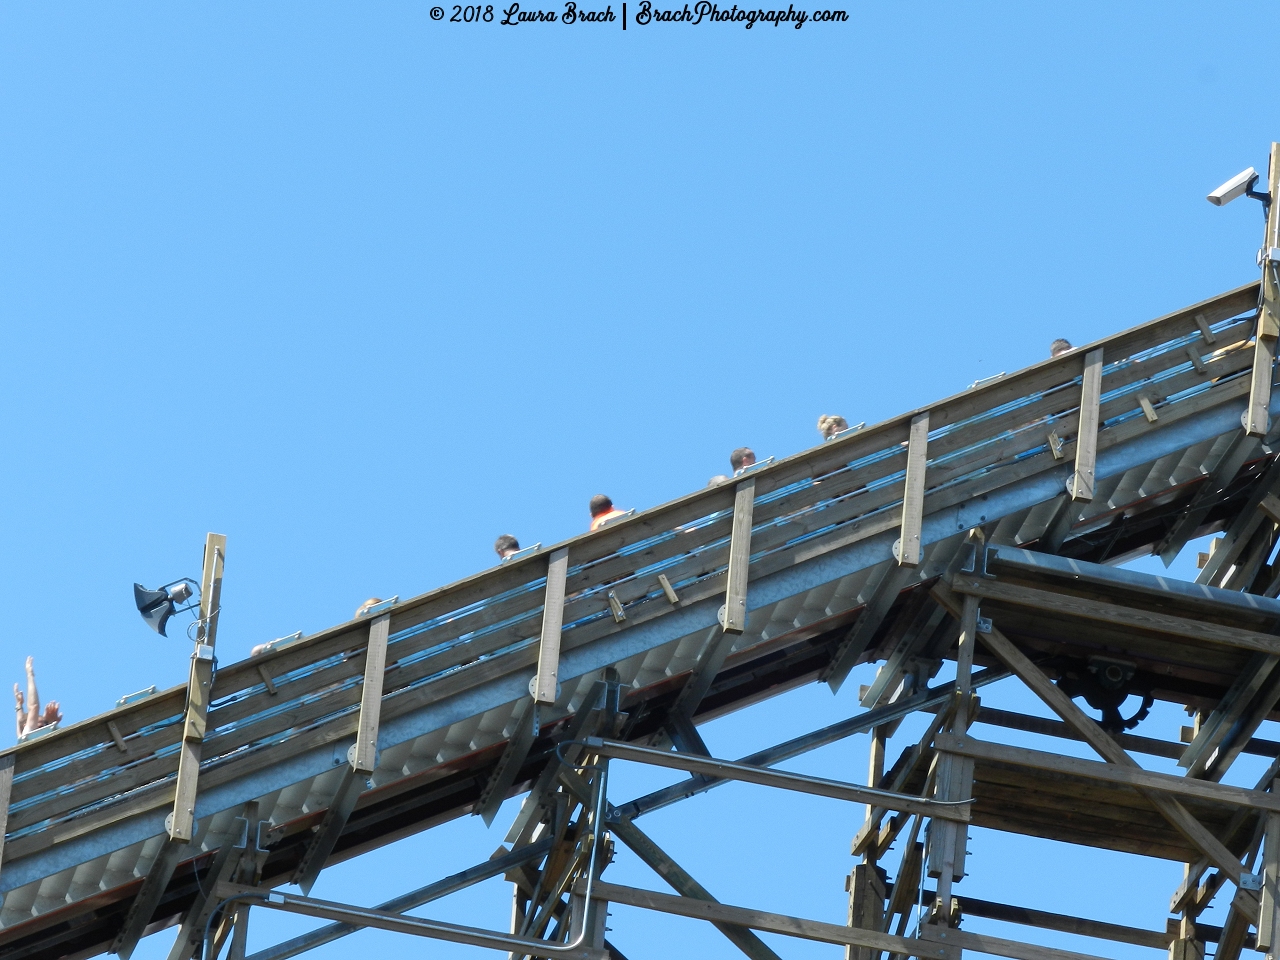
x: 735, y: 599
x: 546, y: 682
x: 365, y: 756
x: 908, y: 547
x: 1081, y: 486
x: 1111, y: 773
x: 1062, y: 603
x: 181, y: 825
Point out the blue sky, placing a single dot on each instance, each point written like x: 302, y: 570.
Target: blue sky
x: 362, y: 290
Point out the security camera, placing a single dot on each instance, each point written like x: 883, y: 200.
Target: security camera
x: 1237, y: 186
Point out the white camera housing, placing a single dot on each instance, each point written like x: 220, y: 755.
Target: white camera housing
x: 1235, y: 187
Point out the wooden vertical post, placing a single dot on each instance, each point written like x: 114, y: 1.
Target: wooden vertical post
x: 6, y: 791
x: 908, y: 546
x: 181, y: 826
x: 1269, y: 915
x: 1081, y: 484
x: 948, y: 840
x: 364, y: 755
x: 734, y: 617
x: 548, y: 677
x: 866, y: 906
x: 1257, y: 416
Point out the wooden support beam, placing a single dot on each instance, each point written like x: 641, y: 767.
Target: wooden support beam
x: 711, y: 658
x: 144, y: 904
x: 1257, y: 419
x: 1269, y: 914
x: 239, y: 933
x: 1134, y: 776
x: 982, y: 943
x: 364, y: 757
x: 722, y: 915
x: 1237, y: 454
x: 1225, y: 717
x: 1080, y: 486
x: 513, y: 757
x: 546, y: 682
x: 191, y: 932
x: 865, y: 885
x: 1050, y: 602
x: 116, y: 738
x: 908, y: 549
x: 954, y: 777
x: 1110, y: 751
x: 693, y: 895
x: 181, y: 825
x: 584, y: 724
x: 1241, y: 736
x: 733, y: 617
x: 1045, y: 920
x: 6, y: 791
x: 1240, y: 533
x: 864, y: 628
x: 815, y: 786
x: 343, y: 804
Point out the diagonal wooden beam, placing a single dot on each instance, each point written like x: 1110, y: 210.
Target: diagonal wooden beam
x: 513, y: 757
x: 1112, y: 752
x: 1203, y: 750
x: 864, y: 628
x: 1241, y: 449
x: 191, y: 932
x: 687, y: 887
x: 148, y: 898
x: 710, y: 659
x: 1238, y: 535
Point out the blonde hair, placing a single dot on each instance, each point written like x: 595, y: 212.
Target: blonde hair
x: 364, y: 607
x: 829, y: 425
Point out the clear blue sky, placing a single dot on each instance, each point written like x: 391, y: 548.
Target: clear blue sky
x: 362, y: 290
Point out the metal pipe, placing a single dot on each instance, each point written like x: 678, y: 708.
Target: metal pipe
x: 924, y: 700
x: 367, y: 917
x: 414, y: 898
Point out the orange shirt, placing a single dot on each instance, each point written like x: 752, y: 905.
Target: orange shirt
x: 604, y: 518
